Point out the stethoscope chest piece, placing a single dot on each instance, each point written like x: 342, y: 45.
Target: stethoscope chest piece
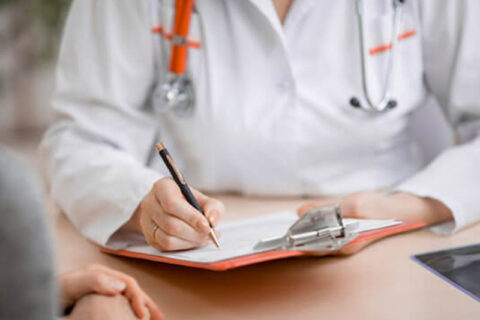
x: 176, y: 94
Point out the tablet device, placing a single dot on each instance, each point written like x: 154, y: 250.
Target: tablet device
x: 459, y: 266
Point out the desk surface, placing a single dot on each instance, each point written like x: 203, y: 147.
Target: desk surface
x: 380, y: 282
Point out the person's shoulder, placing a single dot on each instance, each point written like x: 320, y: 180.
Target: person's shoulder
x: 25, y: 250
x: 13, y: 171
x: 114, y: 6
x: 20, y: 195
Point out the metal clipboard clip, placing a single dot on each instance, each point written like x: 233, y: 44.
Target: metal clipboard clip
x: 320, y: 229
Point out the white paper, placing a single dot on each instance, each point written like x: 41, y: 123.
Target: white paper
x: 239, y: 237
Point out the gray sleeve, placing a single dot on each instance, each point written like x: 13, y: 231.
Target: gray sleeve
x: 26, y: 259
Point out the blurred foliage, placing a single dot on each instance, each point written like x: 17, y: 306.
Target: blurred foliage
x: 30, y: 33
x: 39, y: 20
x: 49, y: 15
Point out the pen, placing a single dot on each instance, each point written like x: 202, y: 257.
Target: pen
x: 182, y: 184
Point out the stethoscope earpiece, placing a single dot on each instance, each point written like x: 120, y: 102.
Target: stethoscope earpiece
x: 391, y: 104
x: 355, y: 102
x: 385, y: 103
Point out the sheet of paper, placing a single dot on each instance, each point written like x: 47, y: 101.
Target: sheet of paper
x: 239, y: 237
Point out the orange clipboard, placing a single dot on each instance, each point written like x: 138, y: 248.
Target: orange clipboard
x: 319, y: 230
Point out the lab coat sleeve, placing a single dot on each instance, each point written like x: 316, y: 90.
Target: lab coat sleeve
x: 95, y: 157
x: 452, y: 73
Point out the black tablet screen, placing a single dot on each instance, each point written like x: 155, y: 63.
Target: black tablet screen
x: 460, y: 266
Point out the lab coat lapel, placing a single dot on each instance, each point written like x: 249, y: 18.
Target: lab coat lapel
x: 298, y: 10
x: 267, y: 9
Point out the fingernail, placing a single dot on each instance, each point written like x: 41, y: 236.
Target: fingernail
x: 212, y: 217
x: 117, y: 285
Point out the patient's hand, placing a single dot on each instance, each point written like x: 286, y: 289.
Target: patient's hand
x: 100, y: 307
x: 100, y: 280
x: 376, y: 205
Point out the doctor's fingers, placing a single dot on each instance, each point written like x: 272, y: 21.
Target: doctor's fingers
x: 212, y: 207
x: 173, y: 202
x: 355, y: 247
x: 162, y: 241
x: 178, y: 228
x: 321, y: 203
x: 347, y: 250
x: 360, y: 205
x: 352, y: 205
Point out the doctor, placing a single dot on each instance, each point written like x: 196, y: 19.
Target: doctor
x: 272, y: 111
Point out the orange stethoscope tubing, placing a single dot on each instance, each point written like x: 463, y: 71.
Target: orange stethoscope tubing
x: 181, y: 27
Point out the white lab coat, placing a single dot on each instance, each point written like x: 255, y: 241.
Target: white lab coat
x: 272, y: 113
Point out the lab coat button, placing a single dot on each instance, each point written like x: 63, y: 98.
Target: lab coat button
x: 284, y: 85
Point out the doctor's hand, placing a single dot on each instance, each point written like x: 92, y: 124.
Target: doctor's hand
x: 180, y: 226
x: 376, y: 205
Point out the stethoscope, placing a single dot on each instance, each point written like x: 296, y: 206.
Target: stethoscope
x: 386, y: 103
x: 177, y: 92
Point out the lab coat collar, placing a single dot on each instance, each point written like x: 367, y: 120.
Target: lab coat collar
x: 267, y: 9
x: 298, y: 10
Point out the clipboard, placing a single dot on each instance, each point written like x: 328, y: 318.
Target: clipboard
x: 320, y: 230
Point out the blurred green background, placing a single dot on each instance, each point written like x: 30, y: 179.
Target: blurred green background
x: 30, y: 32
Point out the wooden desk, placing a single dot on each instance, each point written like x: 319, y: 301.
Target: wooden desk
x: 381, y: 282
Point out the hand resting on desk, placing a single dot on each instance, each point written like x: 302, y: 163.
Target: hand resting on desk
x: 376, y: 205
